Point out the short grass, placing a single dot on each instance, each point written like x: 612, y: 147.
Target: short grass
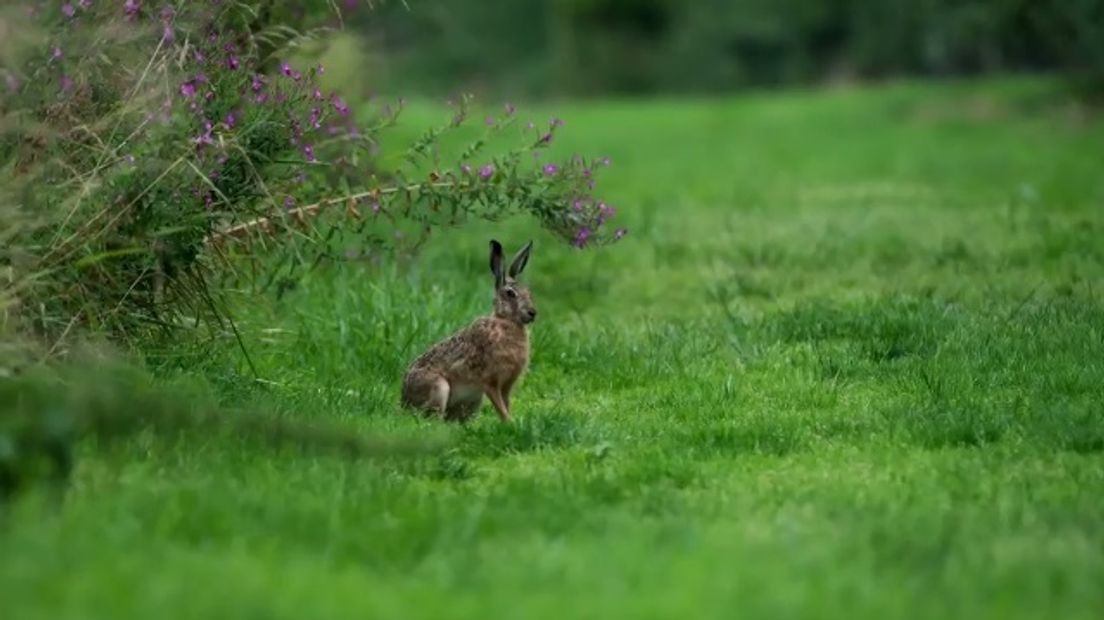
x: 849, y: 362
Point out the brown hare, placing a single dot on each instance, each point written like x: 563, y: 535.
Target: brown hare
x: 486, y: 357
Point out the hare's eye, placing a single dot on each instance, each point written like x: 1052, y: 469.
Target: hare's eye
x: 511, y: 294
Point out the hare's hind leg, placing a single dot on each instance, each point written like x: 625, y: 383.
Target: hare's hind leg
x: 425, y: 391
x: 464, y: 402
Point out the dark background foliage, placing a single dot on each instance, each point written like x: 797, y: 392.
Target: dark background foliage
x: 591, y: 47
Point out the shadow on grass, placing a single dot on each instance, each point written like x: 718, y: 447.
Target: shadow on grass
x: 539, y: 430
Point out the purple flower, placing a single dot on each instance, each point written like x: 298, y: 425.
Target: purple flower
x: 68, y: 10
x: 339, y: 105
x: 167, y: 13
x: 205, y: 137
x: 260, y: 98
x: 318, y: 95
x: 286, y: 69
x: 619, y: 233
x: 131, y: 7
x: 465, y: 168
x: 315, y: 118
x: 289, y: 203
x: 84, y: 4
x: 578, y: 205
x: 581, y: 237
x: 168, y: 34
x: 510, y: 109
x: 605, y: 212
x: 231, y: 120
x: 545, y: 139
x: 551, y: 169
x: 66, y: 83
x: 556, y: 123
x: 487, y: 171
x: 258, y: 83
x: 188, y: 90
x: 308, y: 150
x: 233, y: 63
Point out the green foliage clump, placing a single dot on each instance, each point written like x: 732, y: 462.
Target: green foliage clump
x: 47, y: 412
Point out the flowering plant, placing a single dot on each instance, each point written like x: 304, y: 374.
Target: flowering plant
x: 157, y: 147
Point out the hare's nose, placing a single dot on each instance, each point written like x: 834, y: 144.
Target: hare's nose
x: 532, y: 313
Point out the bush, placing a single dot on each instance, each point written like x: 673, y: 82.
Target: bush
x: 156, y: 154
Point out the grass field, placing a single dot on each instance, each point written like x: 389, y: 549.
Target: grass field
x: 849, y: 362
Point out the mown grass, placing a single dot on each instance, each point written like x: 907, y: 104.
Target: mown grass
x: 850, y: 361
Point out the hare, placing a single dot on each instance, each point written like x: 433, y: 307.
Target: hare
x: 486, y: 357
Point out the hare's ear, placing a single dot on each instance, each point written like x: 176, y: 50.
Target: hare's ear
x: 520, y: 260
x: 496, y: 264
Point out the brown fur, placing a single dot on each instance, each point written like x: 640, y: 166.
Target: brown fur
x: 485, y: 358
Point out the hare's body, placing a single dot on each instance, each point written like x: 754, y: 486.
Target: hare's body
x: 485, y: 358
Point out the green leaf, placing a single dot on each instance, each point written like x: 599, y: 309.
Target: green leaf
x: 94, y: 259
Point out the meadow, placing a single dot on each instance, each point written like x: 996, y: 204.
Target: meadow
x: 849, y: 361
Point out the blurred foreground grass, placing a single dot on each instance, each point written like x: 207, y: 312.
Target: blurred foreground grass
x: 850, y: 361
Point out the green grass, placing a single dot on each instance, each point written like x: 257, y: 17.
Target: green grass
x: 849, y: 361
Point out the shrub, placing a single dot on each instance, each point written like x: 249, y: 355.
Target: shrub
x: 158, y: 152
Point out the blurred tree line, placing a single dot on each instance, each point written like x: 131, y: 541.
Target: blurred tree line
x: 586, y: 47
